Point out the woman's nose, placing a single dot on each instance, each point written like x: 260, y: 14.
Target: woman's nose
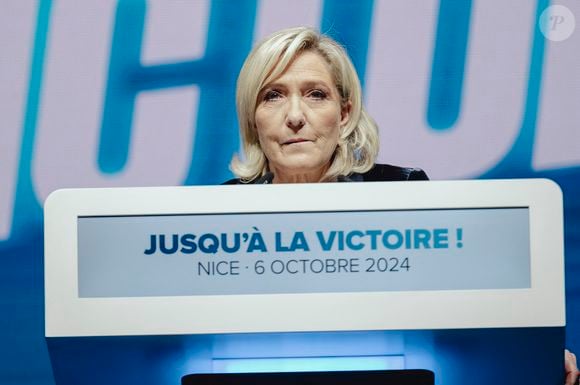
x: 295, y: 118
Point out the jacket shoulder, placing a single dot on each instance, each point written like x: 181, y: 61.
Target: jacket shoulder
x: 232, y: 181
x: 391, y: 173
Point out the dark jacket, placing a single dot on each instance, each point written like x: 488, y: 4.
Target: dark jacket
x: 379, y: 173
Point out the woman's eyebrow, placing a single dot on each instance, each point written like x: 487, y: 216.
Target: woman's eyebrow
x: 315, y: 83
x: 308, y: 83
x: 273, y: 85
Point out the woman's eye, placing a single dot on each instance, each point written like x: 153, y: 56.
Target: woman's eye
x: 272, y: 95
x: 318, y: 94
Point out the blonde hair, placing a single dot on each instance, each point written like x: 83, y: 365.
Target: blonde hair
x: 358, y: 140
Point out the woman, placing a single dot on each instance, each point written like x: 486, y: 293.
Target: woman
x: 301, y: 116
x: 301, y: 119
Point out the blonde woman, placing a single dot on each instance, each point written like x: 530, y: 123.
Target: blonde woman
x: 301, y: 116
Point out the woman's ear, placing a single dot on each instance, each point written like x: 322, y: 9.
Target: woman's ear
x: 345, y: 113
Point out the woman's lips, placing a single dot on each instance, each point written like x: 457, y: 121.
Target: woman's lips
x: 295, y: 140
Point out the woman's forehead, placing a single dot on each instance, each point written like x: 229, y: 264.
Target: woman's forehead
x: 307, y: 67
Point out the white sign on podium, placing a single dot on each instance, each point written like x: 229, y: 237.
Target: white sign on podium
x: 304, y: 257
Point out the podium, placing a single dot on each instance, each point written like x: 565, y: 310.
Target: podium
x: 452, y: 277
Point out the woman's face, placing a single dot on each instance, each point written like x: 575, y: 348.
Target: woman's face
x: 298, y: 120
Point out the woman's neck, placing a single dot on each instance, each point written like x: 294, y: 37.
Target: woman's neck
x: 299, y: 177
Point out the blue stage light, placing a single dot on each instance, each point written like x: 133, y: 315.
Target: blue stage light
x: 294, y: 364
